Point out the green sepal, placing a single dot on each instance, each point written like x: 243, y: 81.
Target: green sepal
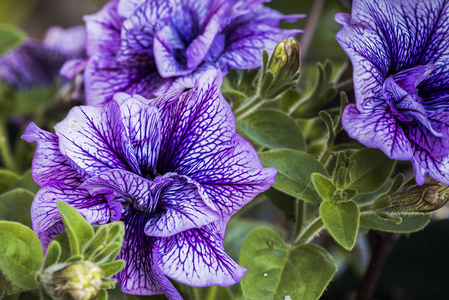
x: 342, y: 221
x: 102, y: 295
x: 98, y: 242
x: 78, y: 230
x: 75, y: 258
x: 109, y: 253
x: 410, y: 223
x: 327, y: 119
x: 112, y: 267
x: 53, y: 254
x: 324, y: 186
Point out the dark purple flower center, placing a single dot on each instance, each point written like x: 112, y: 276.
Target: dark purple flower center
x: 401, y: 93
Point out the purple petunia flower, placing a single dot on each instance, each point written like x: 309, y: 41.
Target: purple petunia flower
x: 172, y: 169
x: 400, y: 53
x: 37, y: 63
x: 146, y: 46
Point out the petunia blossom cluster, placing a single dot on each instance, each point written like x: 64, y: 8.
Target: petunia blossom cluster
x: 400, y: 53
x: 172, y: 169
x: 37, y: 63
x: 147, y: 46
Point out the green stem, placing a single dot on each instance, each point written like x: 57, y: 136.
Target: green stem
x: 299, y: 222
x: 248, y: 107
x: 325, y: 155
x: 6, y: 154
x: 310, y: 231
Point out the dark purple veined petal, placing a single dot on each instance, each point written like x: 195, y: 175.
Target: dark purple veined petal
x: 139, y: 29
x: 200, y: 142
x: 186, y: 205
x: 423, y: 163
x: 196, y: 257
x: 247, y: 35
x: 377, y: 128
x: 95, y: 140
x: 49, y: 165
x: 173, y: 203
x: 141, y: 274
x: 107, y: 77
x: 142, y: 125
x: 103, y: 30
x: 436, y: 146
x: 47, y: 221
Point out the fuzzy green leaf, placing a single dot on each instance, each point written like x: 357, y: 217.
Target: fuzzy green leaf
x: 272, y: 129
x: 112, y: 267
x: 20, y: 254
x: 78, y: 229
x: 342, y: 221
x: 372, y: 170
x: 53, y: 254
x: 277, y: 270
x: 323, y: 185
x: 294, y: 172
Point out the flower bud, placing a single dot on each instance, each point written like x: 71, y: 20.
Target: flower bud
x: 430, y: 196
x: 74, y: 281
x: 282, y: 71
x: 284, y: 63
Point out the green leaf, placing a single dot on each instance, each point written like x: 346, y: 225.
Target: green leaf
x: 10, y: 37
x: 372, y: 170
x: 26, y: 182
x: 53, y: 254
x: 78, y: 229
x: 15, y: 206
x: 284, y: 202
x: 112, y: 267
x: 20, y: 254
x: 7, y: 178
x: 342, y: 221
x: 236, y: 232
x: 323, y: 185
x: 294, y: 172
x: 272, y: 129
x: 277, y: 270
x: 410, y: 223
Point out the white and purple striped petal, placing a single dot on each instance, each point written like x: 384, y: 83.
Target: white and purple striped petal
x: 400, y: 55
x: 196, y: 257
x: 142, y: 47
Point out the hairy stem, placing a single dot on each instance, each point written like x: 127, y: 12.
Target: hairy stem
x: 310, y: 231
x: 299, y: 215
x: 384, y: 245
